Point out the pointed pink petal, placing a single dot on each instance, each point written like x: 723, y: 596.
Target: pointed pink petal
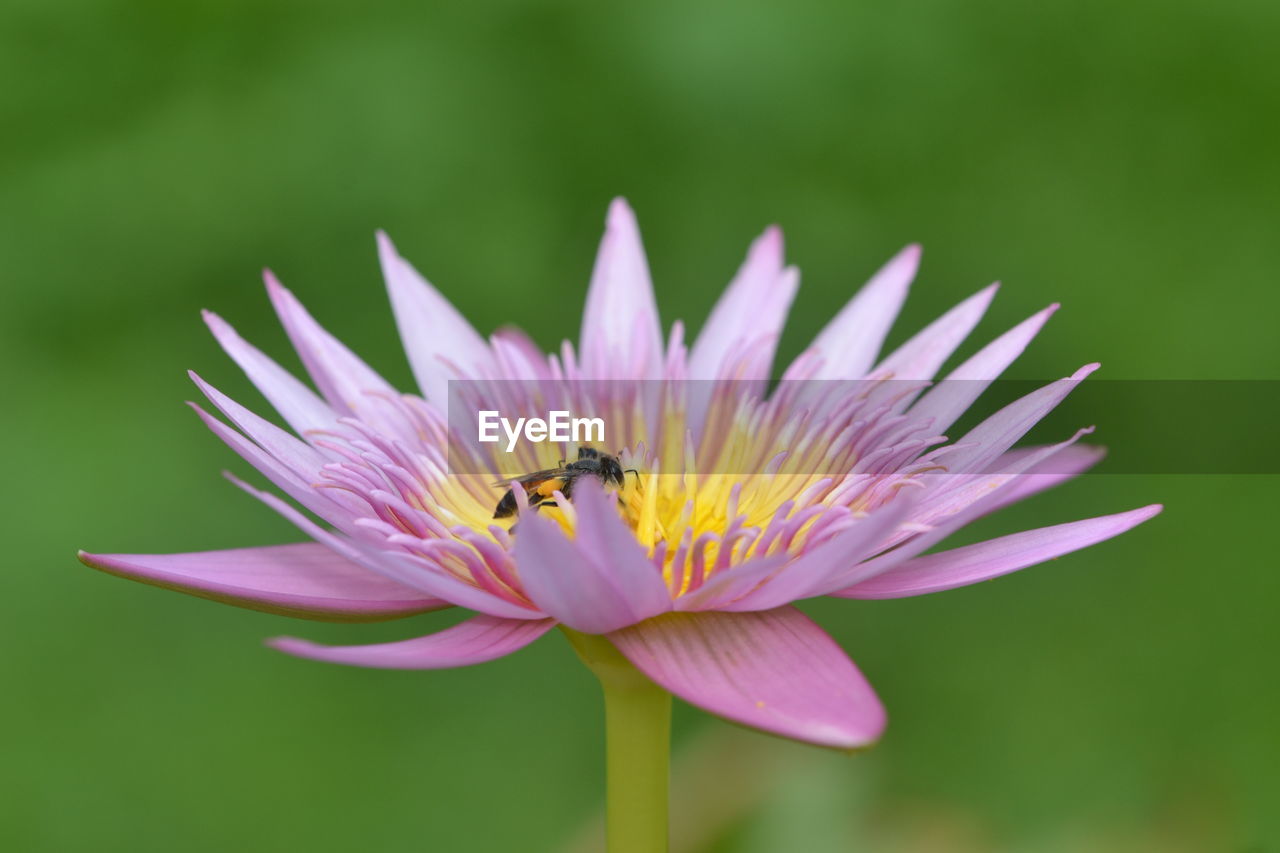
x: 849, y: 343
x: 920, y: 357
x: 952, y: 508
x: 298, y: 456
x: 991, y: 438
x: 597, y: 583
x: 341, y: 376
x: 1062, y: 465
x: 953, y: 396
x: 621, y: 335
x: 398, y: 567
x: 306, y: 580
x: 773, y: 670
x: 751, y: 313
x: 479, y: 639
x: 948, y: 497
x: 296, y: 403
x: 432, y: 330
x: 986, y: 560
x: 335, y: 506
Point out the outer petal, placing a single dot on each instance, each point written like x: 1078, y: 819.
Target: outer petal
x: 772, y: 670
x: 597, y: 583
x: 343, y: 379
x: 292, y: 452
x: 295, y: 402
x: 306, y: 580
x: 849, y: 343
x: 952, y: 397
x: 985, y: 443
x: 435, y: 335
x: 479, y: 639
x: 976, y: 496
x: 920, y: 357
x: 433, y: 580
x: 1063, y: 465
x: 333, y: 505
x: 621, y: 335
x: 749, y: 316
x: 986, y: 560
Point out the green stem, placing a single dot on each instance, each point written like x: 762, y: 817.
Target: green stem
x: 637, y: 747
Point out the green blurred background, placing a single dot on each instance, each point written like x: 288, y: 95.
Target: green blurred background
x: 1120, y: 158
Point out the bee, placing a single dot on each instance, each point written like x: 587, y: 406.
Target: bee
x: 540, y: 485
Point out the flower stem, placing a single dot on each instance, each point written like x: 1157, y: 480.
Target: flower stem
x: 637, y: 747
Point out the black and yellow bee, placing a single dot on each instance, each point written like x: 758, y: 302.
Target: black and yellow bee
x: 540, y: 485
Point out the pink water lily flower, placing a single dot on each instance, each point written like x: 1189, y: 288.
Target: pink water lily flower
x: 741, y: 503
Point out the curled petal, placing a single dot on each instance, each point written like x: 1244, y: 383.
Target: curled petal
x: 479, y: 639
x: 306, y: 580
x: 985, y: 560
x: 773, y: 670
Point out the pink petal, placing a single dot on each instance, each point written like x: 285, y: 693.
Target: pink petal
x: 435, y: 335
x: 949, y: 497
x: 621, y: 336
x: 333, y: 505
x: 920, y: 357
x: 999, y: 432
x: 1062, y: 465
x: 597, y: 583
x: 341, y: 376
x: 296, y: 403
x: 773, y: 670
x: 749, y: 315
x: 953, y: 508
x: 849, y: 343
x: 306, y: 580
x: 953, y: 396
x: 399, y: 567
x: 479, y: 639
x: 986, y: 560
x: 298, y: 456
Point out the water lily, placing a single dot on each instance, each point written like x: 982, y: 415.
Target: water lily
x: 683, y: 580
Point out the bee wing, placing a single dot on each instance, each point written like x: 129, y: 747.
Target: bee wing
x: 528, y: 480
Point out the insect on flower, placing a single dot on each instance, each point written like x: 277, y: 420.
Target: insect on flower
x: 540, y: 486
x: 747, y: 500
